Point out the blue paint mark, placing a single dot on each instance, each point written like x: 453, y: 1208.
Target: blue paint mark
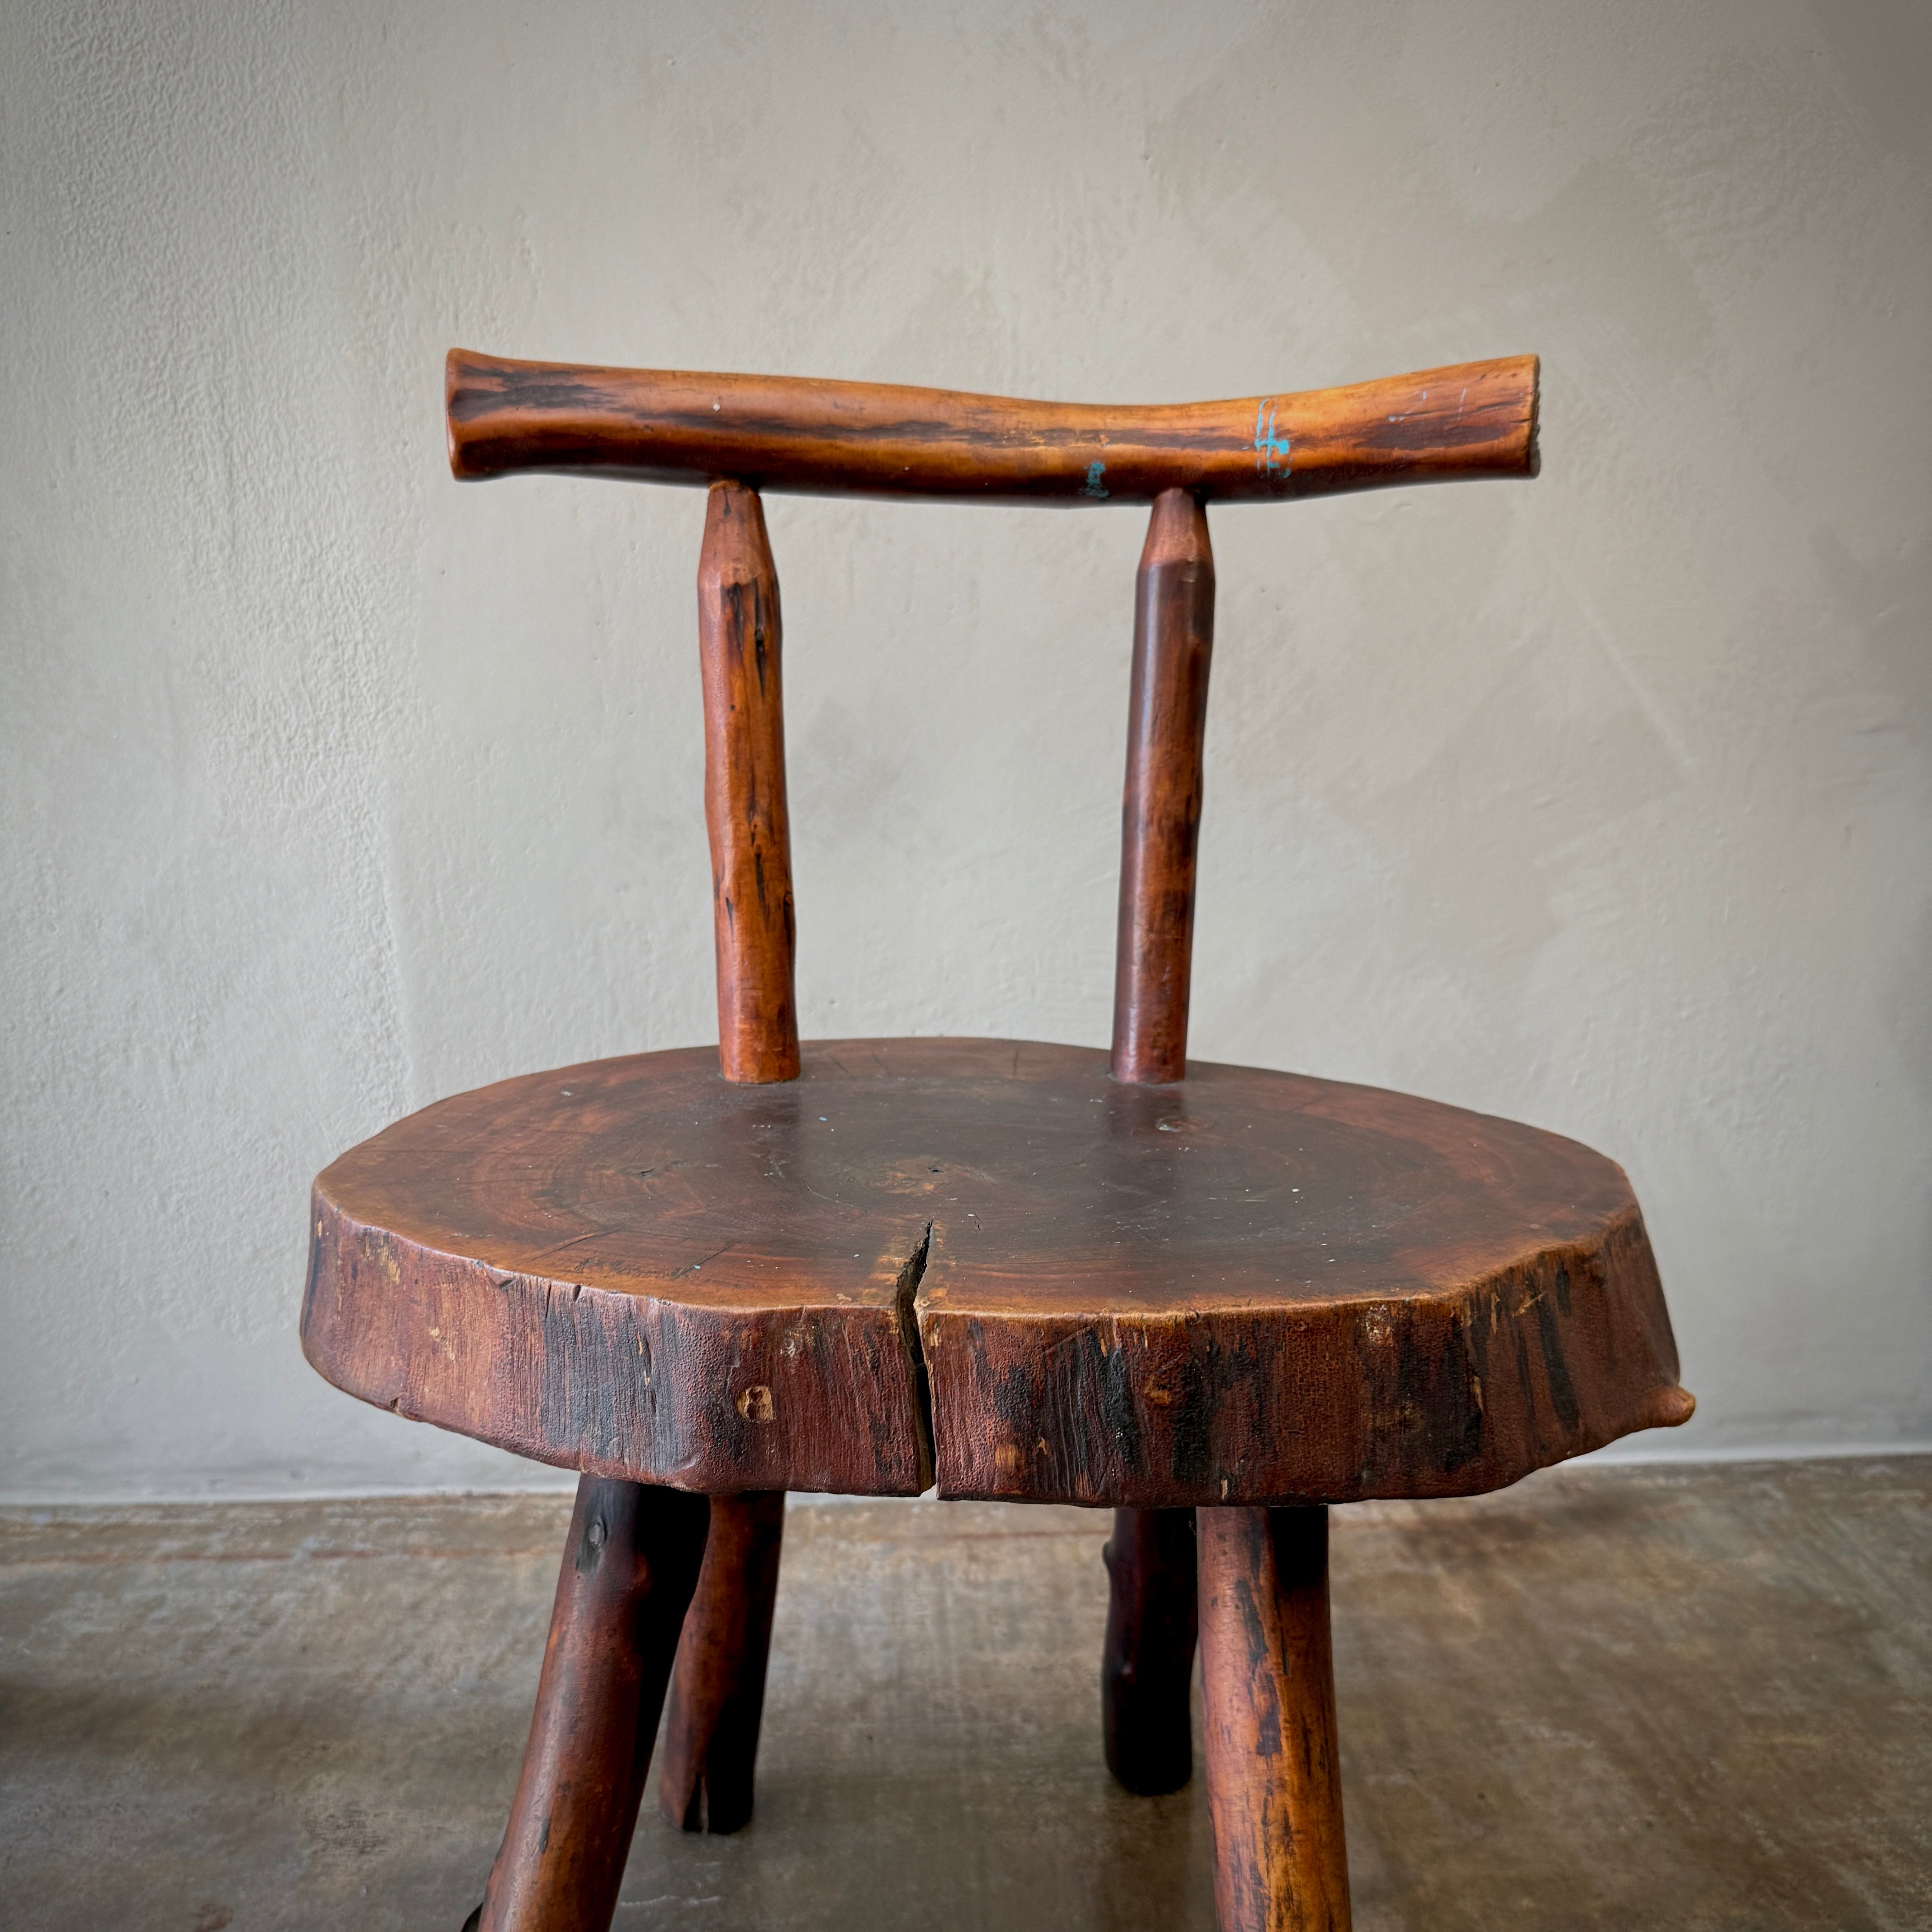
x: 1270, y: 451
x: 1091, y: 488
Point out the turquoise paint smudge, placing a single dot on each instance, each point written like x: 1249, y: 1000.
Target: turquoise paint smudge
x: 1270, y: 451
x: 1091, y: 488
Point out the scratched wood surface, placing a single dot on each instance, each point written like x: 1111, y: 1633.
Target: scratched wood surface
x: 988, y: 1260
x: 842, y: 439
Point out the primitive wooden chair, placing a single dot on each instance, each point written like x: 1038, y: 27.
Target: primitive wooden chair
x: 1215, y: 1299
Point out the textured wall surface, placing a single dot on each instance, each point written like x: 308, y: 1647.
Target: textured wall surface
x: 333, y: 787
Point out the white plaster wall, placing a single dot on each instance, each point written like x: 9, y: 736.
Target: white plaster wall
x: 332, y: 787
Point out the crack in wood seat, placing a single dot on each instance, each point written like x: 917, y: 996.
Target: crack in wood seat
x: 1216, y: 1298
x: 1251, y: 1288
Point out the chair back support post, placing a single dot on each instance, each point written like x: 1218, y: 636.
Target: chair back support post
x: 1160, y: 817
x: 864, y: 438
x: 739, y: 635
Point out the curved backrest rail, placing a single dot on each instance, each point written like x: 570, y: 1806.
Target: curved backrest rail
x: 864, y: 439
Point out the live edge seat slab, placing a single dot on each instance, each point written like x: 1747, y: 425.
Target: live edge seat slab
x: 1213, y: 1298
x: 986, y: 1263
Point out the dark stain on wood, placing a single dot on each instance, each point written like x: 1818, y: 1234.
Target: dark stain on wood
x: 1147, y: 1670
x: 1556, y: 1370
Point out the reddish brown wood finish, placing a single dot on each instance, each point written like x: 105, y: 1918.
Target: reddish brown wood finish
x: 1146, y: 1673
x: 982, y: 1259
x: 712, y: 1740
x: 1160, y: 819
x: 1257, y: 1288
x: 738, y: 637
x: 1267, y: 1685
x: 718, y: 1690
x: 628, y: 1572
x: 780, y: 433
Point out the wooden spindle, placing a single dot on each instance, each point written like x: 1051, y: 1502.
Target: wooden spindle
x: 718, y: 1694
x: 628, y: 1573
x: 738, y: 633
x: 1268, y: 1681
x: 1160, y: 821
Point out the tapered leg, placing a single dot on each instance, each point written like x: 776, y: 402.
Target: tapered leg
x: 628, y: 1570
x: 718, y: 1691
x: 1274, y: 1786
x: 1146, y: 1675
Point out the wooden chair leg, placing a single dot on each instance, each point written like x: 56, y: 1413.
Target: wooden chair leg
x: 1274, y: 1785
x: 718, y: 1692
x: 628, y: 1570
x: 1146, y: 1673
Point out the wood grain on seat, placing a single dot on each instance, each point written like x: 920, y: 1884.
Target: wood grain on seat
x: 1244, y: 1287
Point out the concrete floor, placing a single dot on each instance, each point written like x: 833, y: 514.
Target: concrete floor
x: 1655, y: 1698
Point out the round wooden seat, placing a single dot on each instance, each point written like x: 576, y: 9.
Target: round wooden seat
x: 985, y: 1260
